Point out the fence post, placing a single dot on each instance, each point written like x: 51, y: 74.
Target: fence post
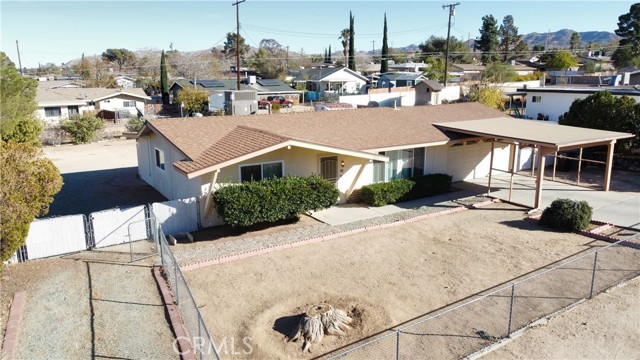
x: 513, y: 293
x: 397, y: 344
x: 593, y: 274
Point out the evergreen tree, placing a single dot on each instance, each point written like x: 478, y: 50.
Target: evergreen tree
x: 488, y: 42
x: 629, y: 30
x: 509, y: 38
x: 352, y: 47
x: 329, y: 59
x: 384, y: 67
x: 164, y: 82
x: 575, y: 41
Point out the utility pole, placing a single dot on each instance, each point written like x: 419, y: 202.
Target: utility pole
x: 287, y: 57
x: 19, y: 61
x: 452, y: 12
x: 373, y: 50
x: 236, y: 4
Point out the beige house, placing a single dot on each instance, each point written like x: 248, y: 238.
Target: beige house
x: 191, y: 158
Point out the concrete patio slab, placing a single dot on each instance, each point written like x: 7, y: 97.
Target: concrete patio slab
x: 617, y: 207
x: 342, y: 214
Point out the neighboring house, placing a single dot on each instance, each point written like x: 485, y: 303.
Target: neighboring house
x: 59, y: 103
x: 599, y: 61
x: 183, y: 159
x: 522, y: 69
x: 125, y: 81
x: 634, y: 77
x: 329, y: 83
x: 428, y: 92
x: 56, y: 84
x: 550, y: 102
x: 399, y: 79
x: 467, y: 71
x: 369, y: 70
x: 409, y: 67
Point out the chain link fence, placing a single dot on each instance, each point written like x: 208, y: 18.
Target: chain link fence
x: 199, y: 336
x: 464, y: 329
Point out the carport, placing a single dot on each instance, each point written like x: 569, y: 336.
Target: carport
x: 546, y: 138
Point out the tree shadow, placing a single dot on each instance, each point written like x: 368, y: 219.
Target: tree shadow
x: 284, y: 325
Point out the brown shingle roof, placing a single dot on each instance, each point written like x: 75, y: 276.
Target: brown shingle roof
x: 240, y: 141
x: 362, y: 129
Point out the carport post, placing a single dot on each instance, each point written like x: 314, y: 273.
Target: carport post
x: 512, y: 167
x: 579, y: 167
x: 493, y: 143
x: 540, y: 178
x: 207, y: 201
x: 609, y: 165
x: 555, y: 162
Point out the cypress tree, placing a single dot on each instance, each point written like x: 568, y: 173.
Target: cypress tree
x: 164, y: 82
x: 384, y: 67
x: 352, y: 48
x: 329, y: 55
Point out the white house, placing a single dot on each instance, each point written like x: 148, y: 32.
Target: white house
x: 550, y: 102
x: 60, y: 103
x: 329, y: 83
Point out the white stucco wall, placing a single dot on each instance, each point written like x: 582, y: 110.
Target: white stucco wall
x: 117, y: 103
x: 407, y: 98
x: 64, y: 112
x: 555, y: 104
x: 450, y: 93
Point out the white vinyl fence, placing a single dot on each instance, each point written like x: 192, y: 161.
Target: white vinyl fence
x: 56, y: 236
x: 111, y: 227
x: 177, y: 216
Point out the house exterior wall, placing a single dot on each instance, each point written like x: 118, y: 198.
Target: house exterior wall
x: 383, y: 99
x: 554, y: 104
x: 64, y: 112
x: 117, y: 103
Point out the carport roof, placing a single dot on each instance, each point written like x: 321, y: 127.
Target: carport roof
x: 559, y: 137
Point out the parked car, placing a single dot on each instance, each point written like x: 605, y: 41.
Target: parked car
x: 262, y: 104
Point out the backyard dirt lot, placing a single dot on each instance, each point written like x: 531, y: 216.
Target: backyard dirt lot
x: 382, y: 278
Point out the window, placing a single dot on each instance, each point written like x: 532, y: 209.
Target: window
x: 73, y: 110
x: 52, y: 111
x: 256, y: 172
x: 536, y: 99
x: 160, y: 159
x: 129, y: 103
x: 403, y: 164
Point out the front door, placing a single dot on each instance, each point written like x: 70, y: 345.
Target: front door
x: 329, y: 168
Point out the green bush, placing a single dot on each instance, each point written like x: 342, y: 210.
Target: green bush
x: 82, y: 128
x: 429, y: 185
x: 567, y: 215
x: 384, y: 193
x: 273, y: 199
x: 403, y: 190
x: 135, y: 124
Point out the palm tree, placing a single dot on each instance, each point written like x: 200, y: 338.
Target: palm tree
x: 344, y: 37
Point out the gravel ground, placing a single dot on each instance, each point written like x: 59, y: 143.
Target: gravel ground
x: 189, y: 254
x: 85, y: 305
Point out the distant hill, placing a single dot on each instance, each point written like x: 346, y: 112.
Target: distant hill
x: 562, y: 37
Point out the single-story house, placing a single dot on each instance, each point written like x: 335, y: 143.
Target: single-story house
x: 59, y: 103
x: 409, y: 67
x: 553, y: 101
x: 125, y: 81
x: 184, y: 159
x: 399, y: 79
x: 329, y: 83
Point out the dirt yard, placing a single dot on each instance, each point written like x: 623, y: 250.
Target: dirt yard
x: 579, y: 333
x: 85, y: 305
x: 382, y: 278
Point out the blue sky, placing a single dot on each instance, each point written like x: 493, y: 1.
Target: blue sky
x: 58, y: 31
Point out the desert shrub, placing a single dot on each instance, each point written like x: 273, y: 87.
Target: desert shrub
x: 275, y: 107
x: 82, y: 128
x: 384, y: 193
x: 567, y: 215
x: 269, y: 200
x: 135, y: 124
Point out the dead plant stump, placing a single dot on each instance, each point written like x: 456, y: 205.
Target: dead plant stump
x: 319, y: 320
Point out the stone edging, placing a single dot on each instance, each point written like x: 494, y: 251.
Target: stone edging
x: 295, y: 244
x: 595, y: 233
x: 175, y: 318
x: 10, y: 342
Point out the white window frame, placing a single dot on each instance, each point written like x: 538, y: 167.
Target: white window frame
x: 160, y: 159
x: 261, y: 167
x: 536, y: 98
x: 128, y: 103
x: 52, y: 107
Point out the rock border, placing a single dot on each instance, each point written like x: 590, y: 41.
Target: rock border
x: 10, y: 343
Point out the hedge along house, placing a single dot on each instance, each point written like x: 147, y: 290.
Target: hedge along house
x: 349, y: 148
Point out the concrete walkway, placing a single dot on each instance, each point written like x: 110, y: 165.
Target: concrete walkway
x: 620, y: 206
x: 347, y: 213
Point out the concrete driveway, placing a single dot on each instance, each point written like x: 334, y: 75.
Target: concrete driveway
x: 620, y: 205
x: 98, y: 176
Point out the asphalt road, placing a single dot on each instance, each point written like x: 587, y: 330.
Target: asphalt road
x: 98, y: 176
